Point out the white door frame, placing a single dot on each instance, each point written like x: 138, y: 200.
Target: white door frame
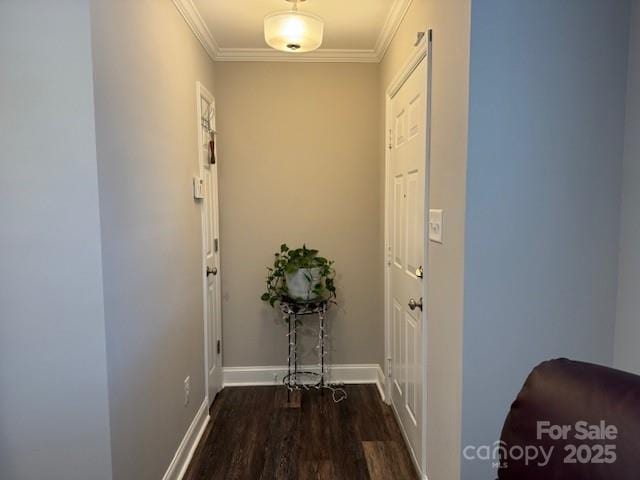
x: 201, y: 91
x: 422, y: 51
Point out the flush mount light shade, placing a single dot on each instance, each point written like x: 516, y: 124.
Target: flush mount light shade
x: 293, y: 31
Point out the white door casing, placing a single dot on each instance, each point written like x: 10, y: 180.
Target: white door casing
x: 407, y: 171
x: 210, y: 245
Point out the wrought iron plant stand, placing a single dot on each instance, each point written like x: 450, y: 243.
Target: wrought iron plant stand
x: 292, y: 311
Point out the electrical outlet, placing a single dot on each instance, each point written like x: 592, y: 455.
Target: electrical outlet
x: 187, y: 391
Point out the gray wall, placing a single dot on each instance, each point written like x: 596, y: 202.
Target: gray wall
x: 146, y: 63
x: 299, y: 163
x: 450, y: 21
x: 627, y: 353
x: 547, y: 103
x: 54, y: 421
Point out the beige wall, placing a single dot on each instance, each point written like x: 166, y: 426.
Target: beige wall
x: 299, y: 163
x: 450, y: 21
x: 146, y: 64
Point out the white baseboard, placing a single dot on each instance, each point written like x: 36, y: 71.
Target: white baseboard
x: 273, y: 375
x: 181, y: 459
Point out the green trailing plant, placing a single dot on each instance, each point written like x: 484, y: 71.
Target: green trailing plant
x: 288, y: 262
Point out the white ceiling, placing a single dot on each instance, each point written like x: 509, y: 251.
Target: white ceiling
x: 355, y: 30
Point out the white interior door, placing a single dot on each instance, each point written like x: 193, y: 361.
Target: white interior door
x: 406, y: 243
x: 211, y: 246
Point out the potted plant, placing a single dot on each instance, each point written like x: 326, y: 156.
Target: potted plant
x: 299, y: 275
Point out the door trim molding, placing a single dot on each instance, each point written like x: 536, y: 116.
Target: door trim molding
x: 421, y: 51
x: 184, y: 454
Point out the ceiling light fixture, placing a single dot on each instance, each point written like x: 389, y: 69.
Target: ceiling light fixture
x: 293, y: 31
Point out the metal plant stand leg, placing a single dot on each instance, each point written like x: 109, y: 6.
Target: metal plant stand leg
x: 289, y: 362
x: 321, y: 335
x: 322, y: 350
x: 295, y: 348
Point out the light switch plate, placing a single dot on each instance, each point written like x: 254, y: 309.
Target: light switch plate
x: 435, y: 225
x: 198, y: 188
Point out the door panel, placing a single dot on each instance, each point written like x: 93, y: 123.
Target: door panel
x: 398, y: 338
x: 412, y: 341
x: 400, y: 128
x: 208, y: 218
x: 398, y: 221
x: 212, y: 338
x: 407, y: 177
x: 414, y: 235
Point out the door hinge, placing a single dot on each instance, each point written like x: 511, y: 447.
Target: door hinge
x: 215, y: 245
x: 390, y: 139
x: 218, y: 347
x: 389, y: 370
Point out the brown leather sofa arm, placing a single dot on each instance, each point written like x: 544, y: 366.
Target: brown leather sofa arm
x: 573, y: 421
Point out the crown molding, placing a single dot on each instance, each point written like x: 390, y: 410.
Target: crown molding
x: 317, y: 56
x: 198, y: 26
x: 397, y: 13
x: 195, y: 21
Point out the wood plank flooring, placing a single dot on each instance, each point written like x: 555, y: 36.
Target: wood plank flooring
x: 254, y: 434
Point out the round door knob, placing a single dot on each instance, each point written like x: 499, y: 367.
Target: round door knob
x: 212, y: 271
x: 413, y: 304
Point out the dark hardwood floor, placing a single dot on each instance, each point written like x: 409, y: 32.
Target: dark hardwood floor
x: 254, y: 434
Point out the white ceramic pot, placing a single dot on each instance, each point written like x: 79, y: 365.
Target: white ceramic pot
x: 300, y: 284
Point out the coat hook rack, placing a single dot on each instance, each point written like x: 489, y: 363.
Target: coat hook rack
x: 206, y: 121
x: 206, y: 124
